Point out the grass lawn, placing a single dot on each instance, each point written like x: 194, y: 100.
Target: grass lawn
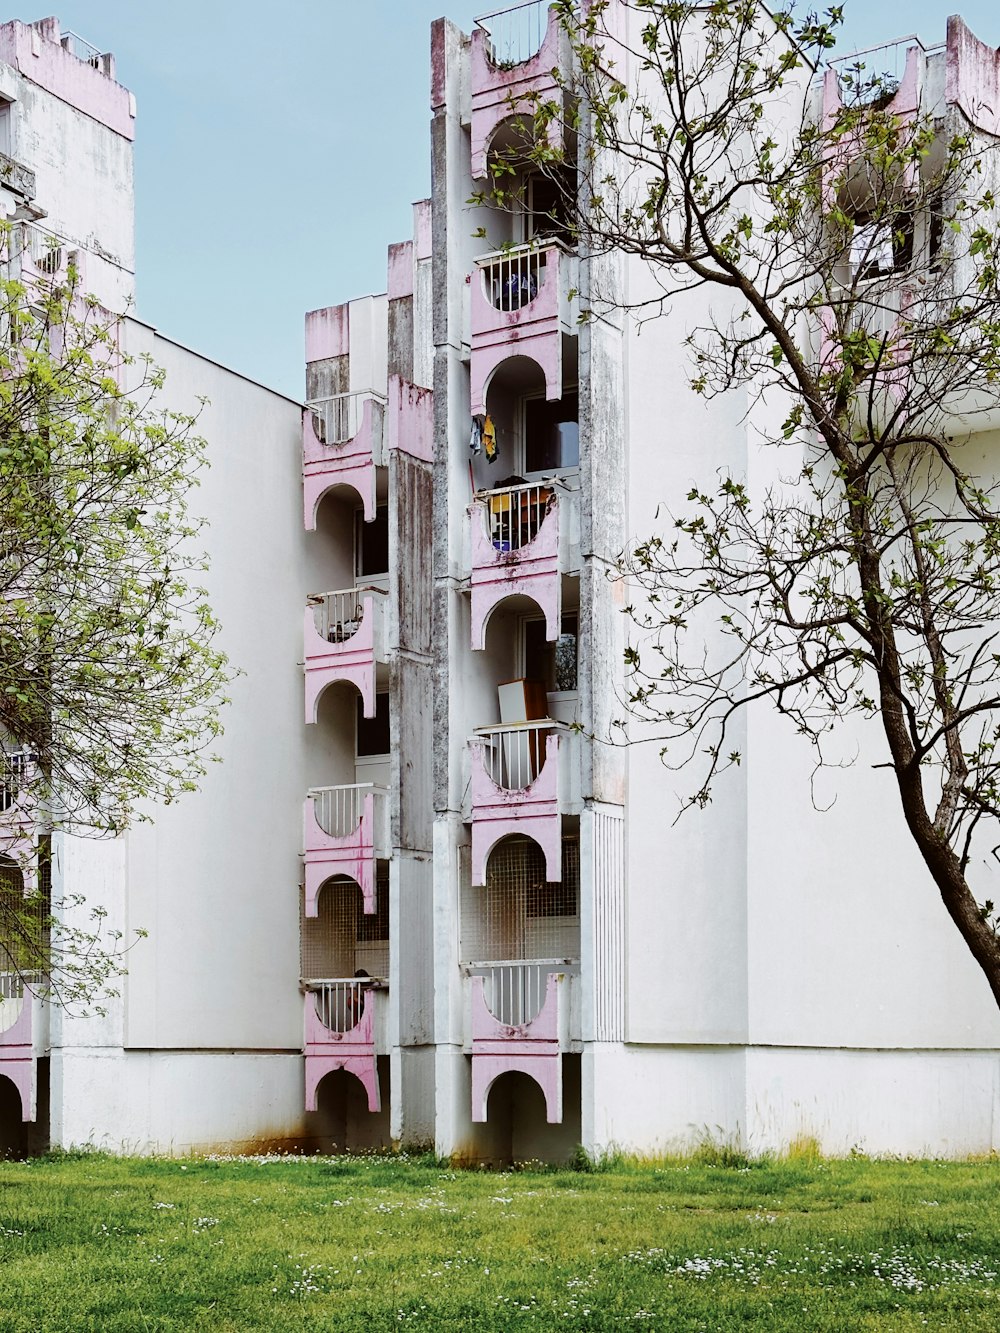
x: 96, y: 1243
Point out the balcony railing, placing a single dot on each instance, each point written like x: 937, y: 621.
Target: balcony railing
x: 341, y: 1002
x: 13, y: 773
x: 47, y: 252
x: 516, y: 513
x: 515, y: 991
x: 338, y: 615
x: 512, y: 278
x: 513, y: 755
x: 338, y: 418
x: 338, y: 810
x: 516, y: 34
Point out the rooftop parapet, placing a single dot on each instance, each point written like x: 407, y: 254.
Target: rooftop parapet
x: 71, y: 68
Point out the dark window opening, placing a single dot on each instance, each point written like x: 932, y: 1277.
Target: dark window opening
x: 552, y: 663
x: 373, y: 732
x: 882, y: 247
x: 547, y: 212
x: 371, y: 542
x: 551, y: 434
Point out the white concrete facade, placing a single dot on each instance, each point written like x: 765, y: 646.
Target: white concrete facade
x: 734, y: 975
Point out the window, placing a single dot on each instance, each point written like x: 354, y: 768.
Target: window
x: 882, y: 247
x: 371, y: 543
x: 373, y: 732
x: 546, y: 215
x: 552, y: 663
x: 551, y: 434
x: 5, y: 118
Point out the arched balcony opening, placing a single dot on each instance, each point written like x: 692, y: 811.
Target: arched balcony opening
x: 537, y: 433
x: 342, y: 1120
x: 13, y: 1123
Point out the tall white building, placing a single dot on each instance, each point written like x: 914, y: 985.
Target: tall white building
x: 417, y: 903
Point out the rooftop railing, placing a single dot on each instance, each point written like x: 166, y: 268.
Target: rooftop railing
x: 516, y: 34
x: 83, y: 50
x: 875, y: 72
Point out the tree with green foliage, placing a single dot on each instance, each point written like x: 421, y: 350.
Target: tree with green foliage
x: 110, y: 683
x: 855, y: 253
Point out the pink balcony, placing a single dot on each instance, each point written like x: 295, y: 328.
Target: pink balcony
x: 514, y: 53
x: 44, y: 257
x: 344, y: 637
x: 346, y: 832
x: 21, y: 1039
x: 342, y: 444
x: 518, y: 786
x: 523, y: 302
x: 519, y: 1018
x: 344, y: 1029
x: 515, y: 549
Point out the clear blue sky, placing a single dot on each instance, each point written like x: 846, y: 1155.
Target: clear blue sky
x: 279, y: 147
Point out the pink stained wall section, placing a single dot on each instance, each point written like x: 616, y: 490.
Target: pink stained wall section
x: 972, y: 77
x: 34, y: 51
x: 327, y: 333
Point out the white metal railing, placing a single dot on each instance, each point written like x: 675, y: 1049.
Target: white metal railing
x: 338, y: 810
x: 337, y: 419
x: 513, y: 278
x: 513, y: 754
x: 515, y: 991
x: 79, y: 46
x: 338, y: 615
x: 46, y: 250
x: 340, y: 1002
x: 11, y: 986
x: 516, y: 513
x: 13, y: 771
x: 515, y: 34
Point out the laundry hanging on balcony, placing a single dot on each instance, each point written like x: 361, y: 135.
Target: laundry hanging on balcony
x: 484, y: 437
